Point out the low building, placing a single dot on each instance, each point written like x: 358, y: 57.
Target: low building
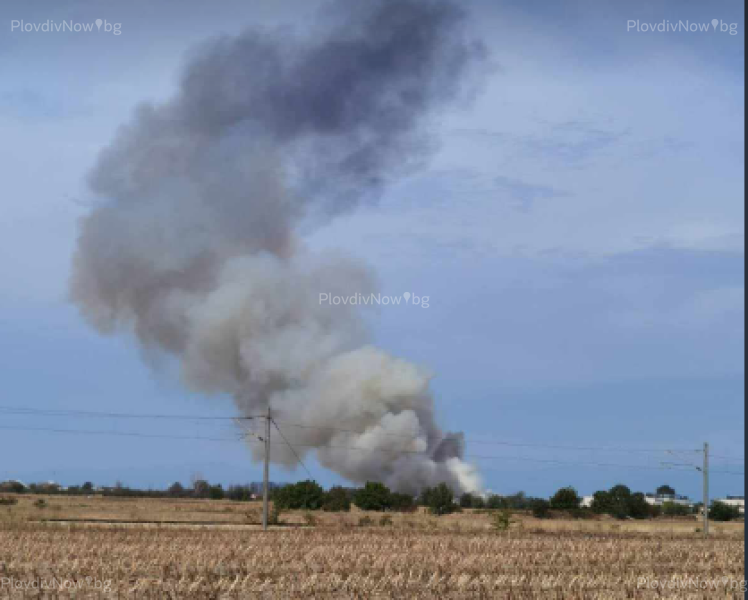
x: 660, y: 499
x: 586, y: 501
x: 738, y: 501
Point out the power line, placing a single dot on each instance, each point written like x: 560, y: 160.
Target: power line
x: 494, y: 442
x: 301, y: 462
x: 353, y: 448
x: 96, y: 414
x: 121, y: 433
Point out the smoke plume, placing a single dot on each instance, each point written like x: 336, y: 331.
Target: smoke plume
x: 195, y: 245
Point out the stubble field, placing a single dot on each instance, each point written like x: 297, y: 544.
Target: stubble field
x: 216, y: 552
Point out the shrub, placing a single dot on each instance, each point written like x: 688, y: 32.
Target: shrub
x: 216, y: 492
x: 365, y: 521
x: 495, y: 501
x: 541, y: 508
x: 40, y: 503
x: 502, y: 520
x: 8, y: 501
x: 673, y: 509
x: 310, y: 519
x: 385, y: 520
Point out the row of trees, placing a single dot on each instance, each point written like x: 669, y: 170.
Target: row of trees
x: 619, y: 501
x: 310, y: 496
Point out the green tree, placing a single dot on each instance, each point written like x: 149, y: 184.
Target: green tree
x: 601, y: 502
x: 723, y: 512
x: 304, y: 494
x: 201, y: 488
x: 665, y: 490
x: 336, y: 500
x: 479, y: 502
x: 566, y: 499
x: 440, y: 500
x: 216, y: 492
x: 402, y: 502
x: 176, y: 489
x: 638, y: 507
x: 466, y: 500
x: 620, y: 497
x: 373, y: 496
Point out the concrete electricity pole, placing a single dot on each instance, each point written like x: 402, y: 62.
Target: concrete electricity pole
x: 705, y: 473
x: 266, y: 474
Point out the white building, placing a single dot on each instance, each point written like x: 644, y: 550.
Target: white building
x: 660, y: 499
x: 738, y: 501
x: 586, y: 501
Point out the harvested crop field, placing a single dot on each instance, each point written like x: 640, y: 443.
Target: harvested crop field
x: 362, y: 562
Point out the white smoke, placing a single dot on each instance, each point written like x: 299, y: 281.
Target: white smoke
x: 194, y: 246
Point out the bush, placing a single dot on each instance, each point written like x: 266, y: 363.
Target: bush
x: 502, y: 520
x: 479, y: 502
x: 310, y: 519
x: 365, y: 521
x: 494, y: 502
x: 40, y: 503
x: 723, y: 512
x: 541, y: 508
x: 8, y: 501
x: 216, y: 492
x: 304, y: 494
x: 439, y: 499
x: 673, y: 509
x: 565, y: 499
x: 336, y: 500
x: 385, y: 520
x: 373, y: 496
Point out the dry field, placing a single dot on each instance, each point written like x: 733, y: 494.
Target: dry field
x: 414, y: 556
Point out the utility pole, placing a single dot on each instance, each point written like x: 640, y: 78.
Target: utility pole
x: 266, y: 473
x: 705, y: 473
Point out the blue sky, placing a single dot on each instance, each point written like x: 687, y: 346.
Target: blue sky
x: 578, y: 230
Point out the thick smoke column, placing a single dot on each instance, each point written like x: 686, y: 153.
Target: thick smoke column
x: 194, y: 245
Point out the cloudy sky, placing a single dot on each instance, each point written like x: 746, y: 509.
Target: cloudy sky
x: 578, y: 230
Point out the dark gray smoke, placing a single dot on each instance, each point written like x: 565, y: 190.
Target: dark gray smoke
x: 195, y: 244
